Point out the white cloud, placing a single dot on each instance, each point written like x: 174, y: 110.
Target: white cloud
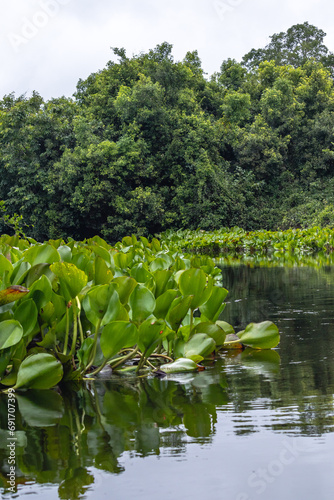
x: 64, y: 40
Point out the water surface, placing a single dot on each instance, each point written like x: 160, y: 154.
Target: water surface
x: 252, y: 425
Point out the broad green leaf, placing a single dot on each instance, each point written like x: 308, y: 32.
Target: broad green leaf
x: 228, y: 329
x: 163, y: 303
x: 212, y: 330
x: 49, y: 341
x: 122, y: 260
x: 140, y: 273
x: 199, y: 344
x: 41, y: 292
x: 26, y: 314
x: 162, y: 280
x: 263, y: 335
x: 163, y: 262
x: 101, y: 251
x: 20, y: 271
x: 35, y: 272
x: 193, y: 282
x: 11, y: 333
x: 151, y: 332
x: 71, y: 279
x: 39, y: 371
x: 215, y: 304
x: 178, y: 310
x: 179, y: 366
x: 65, y: 253
x: 5, y: 265
x: 116, y: 336
x: 102, y: 305
x: 41, y: 254
x: 125, y: 286
x: 142, y: 304
x: 103, y: 275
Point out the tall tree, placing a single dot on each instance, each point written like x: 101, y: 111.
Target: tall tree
x: 296, y: 46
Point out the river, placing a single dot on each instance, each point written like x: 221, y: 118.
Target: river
x: 253, y: 425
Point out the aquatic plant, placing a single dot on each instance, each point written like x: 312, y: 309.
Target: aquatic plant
x: 69, y: 309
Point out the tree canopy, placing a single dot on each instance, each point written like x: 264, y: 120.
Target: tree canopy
x: 149, y: 143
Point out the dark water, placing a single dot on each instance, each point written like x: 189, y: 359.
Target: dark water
x: 252, y: 426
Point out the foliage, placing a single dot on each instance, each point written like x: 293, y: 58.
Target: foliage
x: 149, y: 144
x: 90, y: 304
x: 236, y: 241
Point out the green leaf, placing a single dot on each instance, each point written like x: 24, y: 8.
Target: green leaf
x: 161, y: 279
x: 20, y: 271
x: 215, y: 305
x: 36, y: 272
x: 200, y: 344
x: 142, y: 304
x: 263, y: 335
x: 122, y: 260
x: 103, y: 274
x: 116, y: 336
x: 41, y: 254
x: 83, y: 353
x: 228, y: 329
x: 140, y: 273
x: 179, y: 366
x: 178, y: 310
x: 40, y: 292
x: 11, y: 333
x: 193, y: 282
x: 102, y: 305
x: 212, y: 330
x: 163, y: 303
x: 162, y: 263
x: 5, y: 265
x: 125, y: 285
x: 65, y: 253
x: 26, y: 314
x: 71, y: 279
x: 39, y: 371
x: 150, y: 333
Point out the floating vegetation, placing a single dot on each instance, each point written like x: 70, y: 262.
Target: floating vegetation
x: 70, y: 309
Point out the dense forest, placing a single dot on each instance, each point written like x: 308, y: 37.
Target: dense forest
x: 150, y: 143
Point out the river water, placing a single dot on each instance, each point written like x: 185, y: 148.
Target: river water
x: 253, y: 425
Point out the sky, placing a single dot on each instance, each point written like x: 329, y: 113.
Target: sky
x: 48, y: 45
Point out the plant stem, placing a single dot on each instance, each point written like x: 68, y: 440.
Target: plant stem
x: 79, y: 320
x: 141, y: 361
x: 156, y: 355
x: 95, y: 372
x: 93, y: 354
x: 125, y: 358
x: 191, y: 319
x: 67, y: 331
x: 75, y: 327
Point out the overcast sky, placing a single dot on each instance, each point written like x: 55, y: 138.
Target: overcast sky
x: 47, y: 45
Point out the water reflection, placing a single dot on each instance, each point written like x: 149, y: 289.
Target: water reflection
x: 64, y: 437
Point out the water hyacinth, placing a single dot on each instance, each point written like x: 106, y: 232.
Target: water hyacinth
x: 69, y: 309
